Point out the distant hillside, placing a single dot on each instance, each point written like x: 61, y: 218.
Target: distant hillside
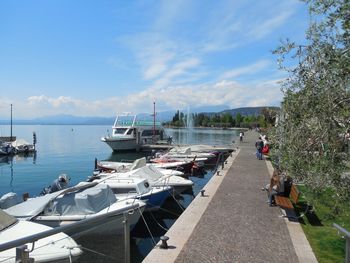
x: 64, y: 119
x: 247, y: 111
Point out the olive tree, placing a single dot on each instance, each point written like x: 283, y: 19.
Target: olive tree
x: 311, y: 136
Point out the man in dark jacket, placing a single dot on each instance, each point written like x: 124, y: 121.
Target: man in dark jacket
x: 259, y: 144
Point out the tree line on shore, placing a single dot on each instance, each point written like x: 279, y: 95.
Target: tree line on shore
x: 266, y: 118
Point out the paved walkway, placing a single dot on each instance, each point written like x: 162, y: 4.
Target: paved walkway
x: 237, y: 225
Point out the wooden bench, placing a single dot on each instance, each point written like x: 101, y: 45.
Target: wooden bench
x: 286, y: 202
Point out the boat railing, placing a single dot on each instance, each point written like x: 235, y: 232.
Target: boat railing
x: 21, y: 248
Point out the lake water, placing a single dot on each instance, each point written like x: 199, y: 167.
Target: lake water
x: 72, y: 149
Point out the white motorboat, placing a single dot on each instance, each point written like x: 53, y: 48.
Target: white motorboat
x: 128, y: 133
x: 58, y: 247
x: 134, y: 188
x: 176, y: 167
x: 6, y: 148
x: 180, y: 152
x: 22, y: 146
x: 122, y: 167
x: 86, y: 200
x: 156, y: 177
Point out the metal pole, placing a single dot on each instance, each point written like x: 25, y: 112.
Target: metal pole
x: 127, y: 237
x: 11, y: 123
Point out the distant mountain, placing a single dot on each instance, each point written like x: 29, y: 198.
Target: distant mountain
x: 247, y: 111
x: 64, y: 119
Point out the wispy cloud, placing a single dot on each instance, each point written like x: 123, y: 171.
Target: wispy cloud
x: 269, y: 25
x: 250, y: 69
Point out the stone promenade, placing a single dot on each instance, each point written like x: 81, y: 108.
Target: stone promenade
x: 232, y: 222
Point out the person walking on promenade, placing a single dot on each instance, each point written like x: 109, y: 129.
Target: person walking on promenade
x: 241, y: 134
x: 259, y: 144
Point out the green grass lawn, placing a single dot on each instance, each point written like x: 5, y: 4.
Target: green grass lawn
x: 327, y: 244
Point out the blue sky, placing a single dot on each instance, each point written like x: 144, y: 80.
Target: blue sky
x: 100, y: 58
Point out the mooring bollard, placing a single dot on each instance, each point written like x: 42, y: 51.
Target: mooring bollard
x: 164, y: 240
x: 218, y: 173
x: 202, y: 192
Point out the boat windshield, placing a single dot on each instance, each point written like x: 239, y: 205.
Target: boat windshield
x: 6, y: 220
x: 119, y: 131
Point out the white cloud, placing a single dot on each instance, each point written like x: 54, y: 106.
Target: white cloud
x: 250, y: 69
x: 224, y: 92
x: 54, y: 102
x: 269, y: 25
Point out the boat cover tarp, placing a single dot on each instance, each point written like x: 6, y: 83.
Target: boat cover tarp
x: 87, y: 201
x: 6, y: 220
x: 10, y: 199
x: 180, y: 150
x: 147, y: 172
x: 138, y: 163
x: 34, y: 206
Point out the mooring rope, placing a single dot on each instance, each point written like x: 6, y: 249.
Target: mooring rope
x: 98, y: 253
x: 155, y: 220
x: 148, y: 229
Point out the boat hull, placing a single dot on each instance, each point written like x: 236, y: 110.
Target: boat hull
x: 112, y: 225
x: 121, y: 144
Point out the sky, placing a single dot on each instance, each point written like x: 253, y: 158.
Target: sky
x: 101, y: 58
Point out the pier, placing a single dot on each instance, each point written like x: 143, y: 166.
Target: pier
x: 230, y: 221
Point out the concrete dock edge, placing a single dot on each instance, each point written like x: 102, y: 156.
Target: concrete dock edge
x: 182, y: 229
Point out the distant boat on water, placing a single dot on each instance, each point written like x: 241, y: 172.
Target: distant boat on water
x: 129, y: 133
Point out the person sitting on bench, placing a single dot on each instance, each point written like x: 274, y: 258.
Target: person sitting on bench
x: 276, y: 187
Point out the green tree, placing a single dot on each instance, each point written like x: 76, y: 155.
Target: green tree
x: 239, y: 119
x: 316, y: 107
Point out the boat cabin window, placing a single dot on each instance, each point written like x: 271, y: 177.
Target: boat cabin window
x: 119, y: 131
x: 131, y: 131
x: 150, y: 132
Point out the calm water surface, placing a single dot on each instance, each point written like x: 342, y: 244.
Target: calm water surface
x: 72, y: 149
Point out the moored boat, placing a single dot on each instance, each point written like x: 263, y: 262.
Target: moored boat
x: 129, y: 133
x: 59, y: 247
x: 86, y: 200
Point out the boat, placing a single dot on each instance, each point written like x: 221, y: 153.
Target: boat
x: 129, y: 133
x: 23, y: 147
x: 180, y: 152
x: 179, y: 168
x: 126, y: 188
x: 85, y: 200
x: 156, y: 177
x: 6, y: 148
x: 59, y: 247
x: 121, y: 167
